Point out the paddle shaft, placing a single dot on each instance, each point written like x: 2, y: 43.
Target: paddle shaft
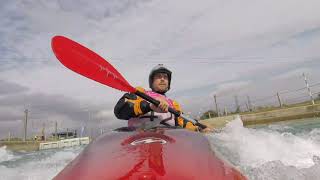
x: 170, y: 109
x: 89, y: 64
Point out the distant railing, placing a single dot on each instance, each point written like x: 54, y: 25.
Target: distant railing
x: 64, y: 143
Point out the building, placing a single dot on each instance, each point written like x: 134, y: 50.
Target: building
x: 65, y: 135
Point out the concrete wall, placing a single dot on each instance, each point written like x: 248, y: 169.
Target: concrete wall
x: 64, y: 143
x: 219, y: 122
x: 283, y: 114
x: 21, y: 146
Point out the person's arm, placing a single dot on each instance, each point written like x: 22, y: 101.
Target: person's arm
x: 186, y: 124
x: 129, y: 106
x: 181, y: 122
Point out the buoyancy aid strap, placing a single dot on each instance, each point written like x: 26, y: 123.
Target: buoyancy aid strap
x: 164, y: 123
x: 152, y: 116
x: 176, y: 121
x: 147, y: 116
x: 167, y: 119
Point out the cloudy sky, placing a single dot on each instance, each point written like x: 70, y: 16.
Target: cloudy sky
x: 223, y: 47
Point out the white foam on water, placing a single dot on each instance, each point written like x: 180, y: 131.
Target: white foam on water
x: 39, y: 165
x: 264, y: 153
x: 5, y: 155
x: 267, y: 153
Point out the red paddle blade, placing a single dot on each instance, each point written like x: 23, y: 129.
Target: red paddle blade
x: 87, y: 63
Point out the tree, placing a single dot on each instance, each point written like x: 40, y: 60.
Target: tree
x: 209, y: 114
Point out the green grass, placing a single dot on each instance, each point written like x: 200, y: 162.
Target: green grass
x: 285, y: 106
x: 20, y: 145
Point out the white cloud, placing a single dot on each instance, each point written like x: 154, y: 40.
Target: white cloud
x: 230, y: 87
x: 213, y: 45
x: 105, y: 114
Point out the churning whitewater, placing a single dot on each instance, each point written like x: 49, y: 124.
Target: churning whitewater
x: 283, y: 151
x: 288, y: 150
x: 36, y: 165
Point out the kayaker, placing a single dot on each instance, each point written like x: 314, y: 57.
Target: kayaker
x: 139, y: 112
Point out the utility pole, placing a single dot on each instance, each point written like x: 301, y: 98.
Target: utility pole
x: 91, y: 132
x: 56, y: 130
x: 308, y: 88
x: 249, y: 104
x: 215, y: 101
x: 67, y: 133
x: 25, y: 124
x: 43, y: 131
x: 82, y: 130
x: 237, y: 103
x: 225, y: 111
x: 9, y: 136
x: 279, y: 99
x: 101, y: 129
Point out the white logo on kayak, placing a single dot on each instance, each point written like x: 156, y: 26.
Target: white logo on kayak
x: 148, y: 141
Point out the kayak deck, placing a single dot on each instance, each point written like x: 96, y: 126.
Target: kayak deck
x: 159, y: 153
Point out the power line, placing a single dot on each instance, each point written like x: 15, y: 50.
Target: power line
x: 317, y: 84
x: 291, y: 91
x: 263, y: 98
x: 297, y: 97
x: 317, y: 93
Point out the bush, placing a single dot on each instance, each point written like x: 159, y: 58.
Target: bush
x: 209, y: 114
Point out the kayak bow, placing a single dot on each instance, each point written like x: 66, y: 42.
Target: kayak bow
x: 160, y: 153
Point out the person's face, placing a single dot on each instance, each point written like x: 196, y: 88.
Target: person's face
x: 160, y: 82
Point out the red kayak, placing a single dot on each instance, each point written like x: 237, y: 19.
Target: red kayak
x: 156, y: 154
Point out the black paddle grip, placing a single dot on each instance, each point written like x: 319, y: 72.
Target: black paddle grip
x: 202, y: 126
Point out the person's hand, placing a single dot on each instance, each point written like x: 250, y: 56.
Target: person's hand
x: 163, y: 106
x: 207, y: 130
